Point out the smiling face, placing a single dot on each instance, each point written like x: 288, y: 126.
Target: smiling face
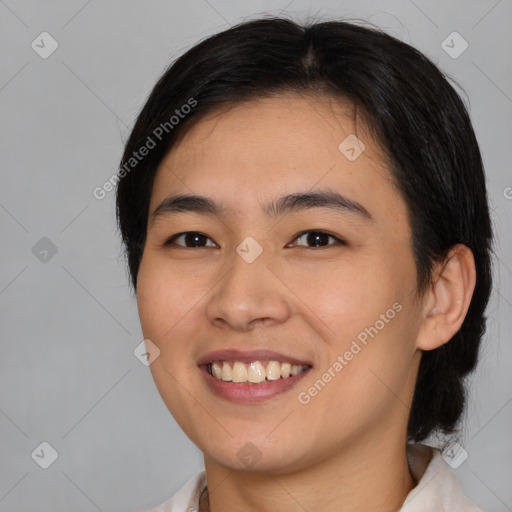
x: 327, y: 282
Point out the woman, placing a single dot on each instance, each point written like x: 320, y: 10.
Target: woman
x: 306, y: 225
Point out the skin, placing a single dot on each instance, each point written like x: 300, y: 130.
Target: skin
x: 347, y: 446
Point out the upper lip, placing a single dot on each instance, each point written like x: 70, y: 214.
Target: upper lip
x: 248, y: 356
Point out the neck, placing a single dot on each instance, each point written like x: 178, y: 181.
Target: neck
x: 365, y: 476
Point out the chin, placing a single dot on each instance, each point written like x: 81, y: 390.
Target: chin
x: 257, y: 454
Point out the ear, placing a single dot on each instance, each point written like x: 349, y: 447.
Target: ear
x: 446, y: 303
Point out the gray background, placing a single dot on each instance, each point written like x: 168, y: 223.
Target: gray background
x: 69, y: 322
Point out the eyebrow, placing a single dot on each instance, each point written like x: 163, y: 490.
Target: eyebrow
x: 327, y: 199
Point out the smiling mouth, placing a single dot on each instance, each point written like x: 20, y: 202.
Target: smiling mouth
x: 255, y: 372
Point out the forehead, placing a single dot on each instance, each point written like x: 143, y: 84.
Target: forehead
x: 275, y: 146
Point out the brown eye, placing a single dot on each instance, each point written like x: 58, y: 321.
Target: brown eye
x: 319, y: 238
x: 191, y: 239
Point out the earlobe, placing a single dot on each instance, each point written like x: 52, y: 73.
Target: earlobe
x: 448, y: 300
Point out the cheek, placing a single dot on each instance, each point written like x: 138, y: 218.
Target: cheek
x: 366, y: 317
x: 165, y: 302
x: 164, y: 298
x: 345, y: 296
x: 366, y: 373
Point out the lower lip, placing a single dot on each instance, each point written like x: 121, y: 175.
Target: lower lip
x: 246, y: 392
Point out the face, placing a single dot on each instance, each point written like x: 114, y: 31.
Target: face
x: 324, y: 281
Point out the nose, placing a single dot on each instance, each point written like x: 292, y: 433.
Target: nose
x: 249, y: 294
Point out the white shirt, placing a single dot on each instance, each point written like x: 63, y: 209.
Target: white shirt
x: 437, y: 491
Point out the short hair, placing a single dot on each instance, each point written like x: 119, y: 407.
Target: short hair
x: 415, y: 115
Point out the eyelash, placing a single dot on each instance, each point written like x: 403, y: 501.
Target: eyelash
x: 339, y: 241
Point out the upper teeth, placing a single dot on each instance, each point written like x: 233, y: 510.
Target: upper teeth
x: 254, y: 372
